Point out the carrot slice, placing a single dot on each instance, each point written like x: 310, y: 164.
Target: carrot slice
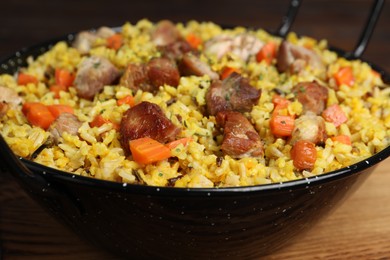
x: 184, y: 141
x: 56, y: 89
x: 345, y: 139
x: 64, y: 78
x: 227, y: 71
x: 344, y: 76
x: 115, y: 41
x: 129, y: 100
x: 267, y: 53
x: 335, y: 115
x: 38, y: 114
x: 24, y: 79
x: 194, y: 40
x: 57, y: 110
x: 304, y: 155
x: 282, y: 126
x: 147, y: 150
x: 99, y: 120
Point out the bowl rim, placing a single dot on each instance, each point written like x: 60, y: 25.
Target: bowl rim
x: 304, y: 183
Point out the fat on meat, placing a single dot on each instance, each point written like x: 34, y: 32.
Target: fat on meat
x: 193, y: 65
x: 293, y: 58
x: 93, y: 74
x: 165, y: 33
x: 146, y: 120
x: 309, y: 127
x: 84, y: 40
x: 243, y: 45
x: 9, y: 98
x: 240, y: 138
x: 66, y: 122
x: 233, y: 93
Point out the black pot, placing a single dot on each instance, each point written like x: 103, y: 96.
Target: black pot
x: 150, y: 222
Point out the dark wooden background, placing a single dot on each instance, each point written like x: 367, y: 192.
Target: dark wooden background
x: 356, y: 230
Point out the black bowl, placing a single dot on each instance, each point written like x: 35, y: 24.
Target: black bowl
x: 161, y: 222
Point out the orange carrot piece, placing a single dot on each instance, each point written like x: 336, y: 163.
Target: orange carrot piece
x: 129, y: 100
x: 184, y: 141
x: 335, y: 115
x: 38, y: 114
x: 24, y: 79
x: 147, y: 150
x: 64, y: 78
x: 57, y: 110
x: 267, y: 53
x: 227, y: 71
x: 115, y: 41
x: 99, y: 120
x: 282, y: 126
x: 304, y: 155
x: 345, y: 139
x: 56, y: 89
x: 344, y: 76
x: 194, y: 40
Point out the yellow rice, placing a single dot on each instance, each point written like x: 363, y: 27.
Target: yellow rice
x: 97, y: 153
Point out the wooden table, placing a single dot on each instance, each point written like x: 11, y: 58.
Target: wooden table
x: 359, y: 229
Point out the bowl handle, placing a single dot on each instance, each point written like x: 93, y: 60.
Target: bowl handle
x: 365, y: 35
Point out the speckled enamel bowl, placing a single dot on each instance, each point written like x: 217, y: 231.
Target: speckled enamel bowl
x: 150, y: 222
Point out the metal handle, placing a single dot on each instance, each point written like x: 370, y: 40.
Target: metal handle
x: 367, y: 30
x: 365, y: 35
x: 288, y: 19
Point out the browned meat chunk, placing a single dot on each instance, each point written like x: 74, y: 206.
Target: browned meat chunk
x: 136, y: 77
x: 165, y: 33
x: 309, y: 127
x: 176, y: 50
x: 66, y: 122
x: 93, y: 74
x: 312, y: 96
x: 146, y: 120
x: 150, y: 77
x: 192, y: 65
x: 294, y: 58
x: 8, y: 99
x: 163, y: 71
x: 233, y: 93
x: 240, y: 139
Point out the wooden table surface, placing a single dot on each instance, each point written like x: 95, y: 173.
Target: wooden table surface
x: 358, y: 229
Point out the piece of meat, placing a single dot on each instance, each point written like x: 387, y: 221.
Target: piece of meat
x: 105, y: 32
x: 294, y: 58
x: 193, y: 65
x: 242, y: 45
x: 309, y: 127
x: 176, y: 49
x: 93, y: 74
x: 165, y: 33
x: 149, y: 77
x: 146, y: 120
x: 233, y: 93
x: 9, y: 98
x: 312, y: 96
x: 66, y: 122
x: 163, y: 71
x: 136, y: 77
x: 84, y: 40
x: 240, y: 138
